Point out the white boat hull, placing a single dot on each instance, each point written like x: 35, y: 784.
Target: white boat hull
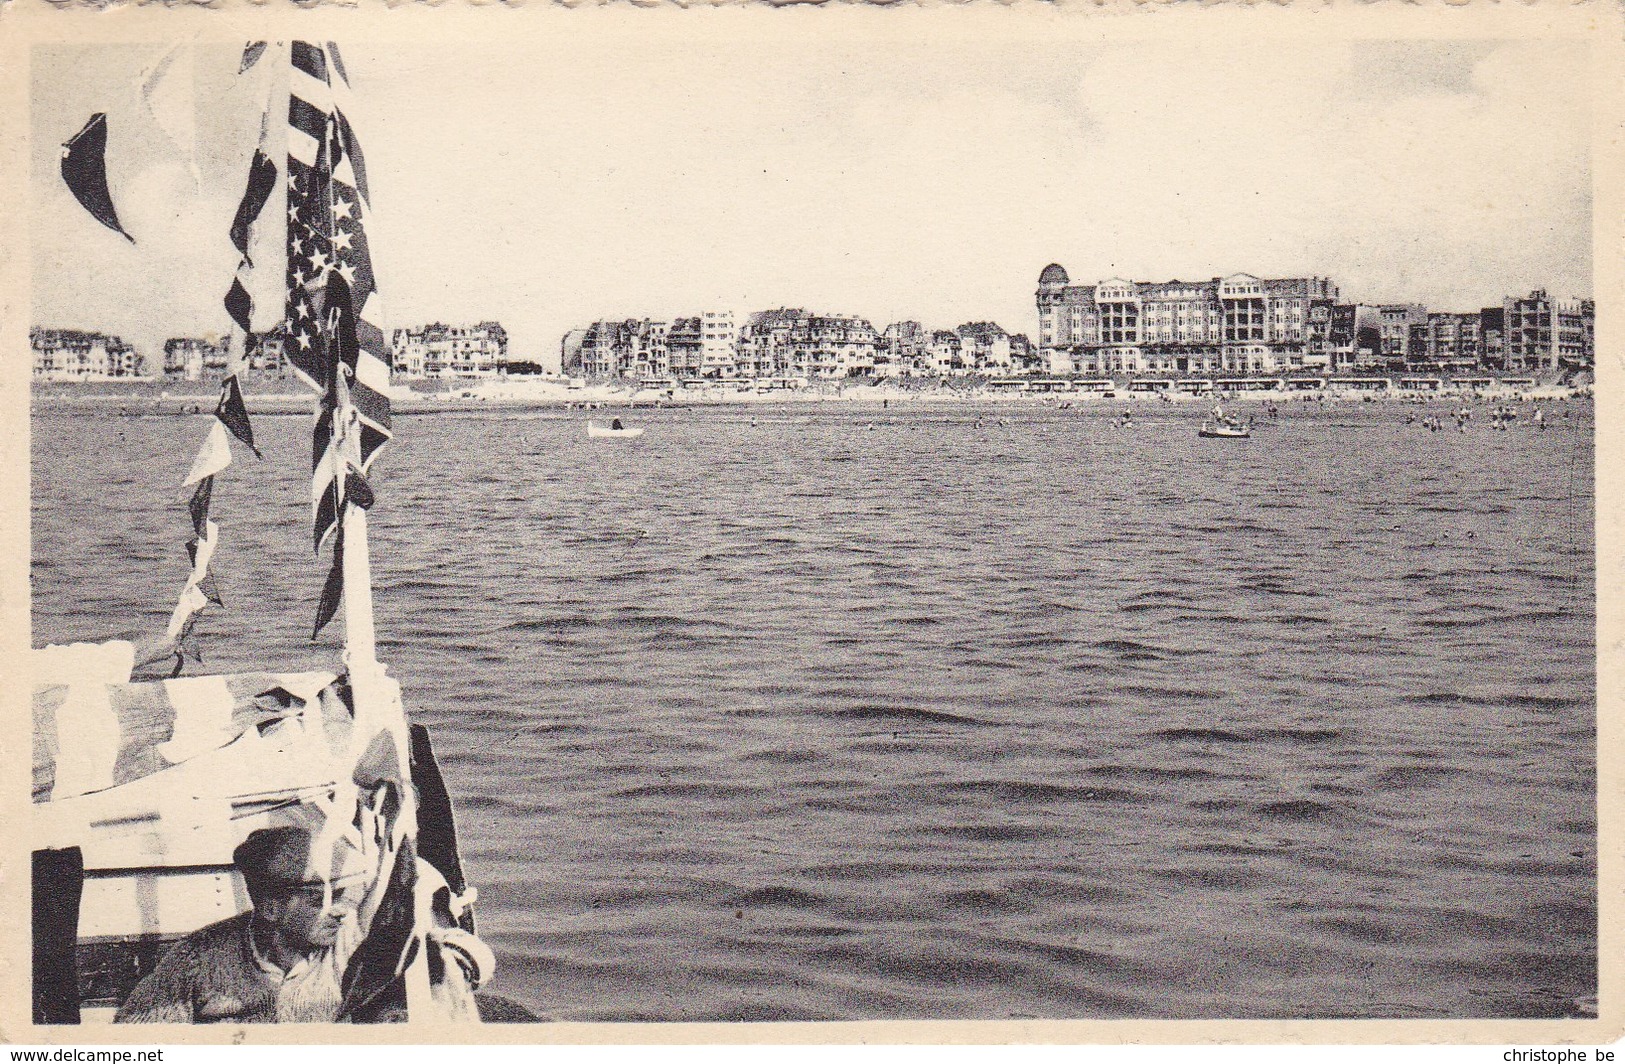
x: 600, y: 432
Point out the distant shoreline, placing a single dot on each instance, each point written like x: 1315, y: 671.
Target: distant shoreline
x: 145, y: 398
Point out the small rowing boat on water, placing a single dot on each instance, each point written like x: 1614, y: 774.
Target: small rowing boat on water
x: 599, y: 432
x: 1224, y: 430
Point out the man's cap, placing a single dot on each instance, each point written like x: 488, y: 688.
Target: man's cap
x: 291, y: 856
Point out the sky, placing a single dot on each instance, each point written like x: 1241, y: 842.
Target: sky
x: 559, y: 182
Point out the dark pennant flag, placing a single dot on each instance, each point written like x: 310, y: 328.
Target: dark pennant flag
x: 233, y: 413
x: 239, y: 304
x: 210, y: 590
x: 358, y: 491
x: 332, y: 590
x: 251, y: 55
x: 84, y: 169
x: 261, y: 181
x: 199, y: 506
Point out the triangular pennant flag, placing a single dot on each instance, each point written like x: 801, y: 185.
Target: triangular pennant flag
x: 199, y: 506
x: 358, y: 491
x: 202, y: 550
x: 372, y: 977
x: 191, y: 601
x: 186, y: 648
x: 239, y: 304
x: 215, y: 456
x: 233, y: 413
x: 330, y: 504
x: 251, y: 55
x: 261, y: 182
x: 84, y: 169
x: 167, y: 90
x: 210, y: 590
x: 332, y: 590
x: 338, y: 62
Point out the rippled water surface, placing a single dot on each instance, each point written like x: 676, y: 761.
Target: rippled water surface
x: 827, y: 712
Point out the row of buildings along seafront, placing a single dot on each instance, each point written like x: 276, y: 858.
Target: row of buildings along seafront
x: 1246, y: 324
x: 198, y: 358
x: 433, y: 351
x: 788, y: 343
x: 76, y: 355
x: 438, y: 351
x: 429, y: 352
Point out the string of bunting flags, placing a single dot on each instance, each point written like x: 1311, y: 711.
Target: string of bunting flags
x: 230, y: 419
x: 327, y: 311
x: 305, y: 275
x: 231, y: 412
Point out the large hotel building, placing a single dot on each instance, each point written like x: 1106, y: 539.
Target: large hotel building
x: 1235, y: 324
x: 1247, y: 324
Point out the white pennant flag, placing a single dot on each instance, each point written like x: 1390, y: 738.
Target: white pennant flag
x: 192, y: 599
x: 205, y: 551
x: 215, y: 456
x: 168, y: 89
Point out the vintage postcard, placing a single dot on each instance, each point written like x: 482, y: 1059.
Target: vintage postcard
x: 929, y: 524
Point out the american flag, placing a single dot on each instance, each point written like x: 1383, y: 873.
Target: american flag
x: 335, y: 340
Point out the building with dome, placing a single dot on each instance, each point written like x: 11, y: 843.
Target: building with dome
x: 1234, y: 324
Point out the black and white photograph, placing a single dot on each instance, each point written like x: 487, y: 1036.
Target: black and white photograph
x: 756, y: 516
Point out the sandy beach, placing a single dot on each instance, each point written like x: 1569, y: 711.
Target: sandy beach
x: 280, y: 396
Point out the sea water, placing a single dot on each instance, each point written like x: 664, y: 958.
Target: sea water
x: 829, y: 711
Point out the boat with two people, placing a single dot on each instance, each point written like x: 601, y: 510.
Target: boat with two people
x: 1220, y: 425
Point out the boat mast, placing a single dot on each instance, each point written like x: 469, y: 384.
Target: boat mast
x: 360, y: 646
x: 375, y: 696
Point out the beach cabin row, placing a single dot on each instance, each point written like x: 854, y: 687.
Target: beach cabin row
x: 1017, y: 384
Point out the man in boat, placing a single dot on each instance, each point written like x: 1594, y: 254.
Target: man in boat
x: 615, y: 424
x: 280, y: 962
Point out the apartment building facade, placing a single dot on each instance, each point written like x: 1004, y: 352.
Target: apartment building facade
x: 1544, y: 332
x: 77, y: 355
x: 790, y: 342
x: 440, y: 351
x: 1240, y: 323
